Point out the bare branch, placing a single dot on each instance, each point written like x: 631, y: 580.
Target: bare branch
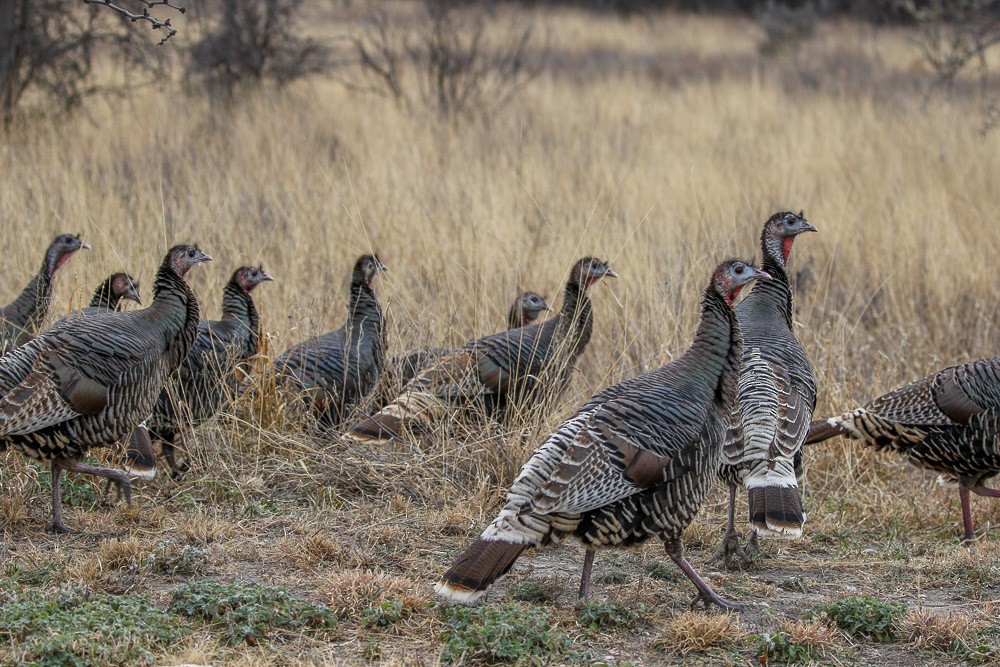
x: 154, y: 22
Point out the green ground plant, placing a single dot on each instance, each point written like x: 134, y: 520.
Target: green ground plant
x: 248, y: 612
x: 78, y: 627
x: 517, y: 634
x: 862, y: 616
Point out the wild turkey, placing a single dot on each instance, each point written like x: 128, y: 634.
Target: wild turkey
x: 208, y: 376
x: 776, y: 398
x: 88, y: 382
x: 634, y: 462
x: 139, y: 458
x: 526, y: 309
x: 496, y: 374
x: 334, y: 371
x: 109, y: 295
x: 24, y: 317
x: 401, y: 368
x: 947, y: 422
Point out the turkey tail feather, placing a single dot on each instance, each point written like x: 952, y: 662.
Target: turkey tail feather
x: 379, y: 427
x: 477, y: 568
x: 412, y: 412
x: 140, y: 460
x: 822, y: 429
x: 776, y: 511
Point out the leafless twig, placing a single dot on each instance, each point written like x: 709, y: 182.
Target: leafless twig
x: 154, y: 22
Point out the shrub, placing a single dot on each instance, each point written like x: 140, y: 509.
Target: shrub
x: 250, y: 42
x: 464, y: 61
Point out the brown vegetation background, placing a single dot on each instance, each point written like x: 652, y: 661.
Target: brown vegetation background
x: 660, y: 142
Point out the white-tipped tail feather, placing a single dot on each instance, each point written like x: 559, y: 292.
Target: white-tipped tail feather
x: 456, y: 593
x: 139, y: 473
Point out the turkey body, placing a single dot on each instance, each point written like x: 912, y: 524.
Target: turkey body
x: 947, y: 422
x: 334, y: 371
x: 497, y: 375
x: 775, y: 400
x: 88, y: 382
x: 24, y: 317
x: 208, y: 377
x: 634, y: 462
x: 401, y: 368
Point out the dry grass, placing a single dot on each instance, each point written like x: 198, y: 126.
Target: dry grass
x: 352, y: 591
x: 660, y: 143
x: 940, y: 631
x: 818, y: 636
x: 695, y: 631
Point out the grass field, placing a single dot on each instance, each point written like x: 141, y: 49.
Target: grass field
x: 660, y: 143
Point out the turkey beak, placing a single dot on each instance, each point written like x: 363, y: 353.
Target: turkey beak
x: 608, y: 273
x: 760, y: 274
x: 807, y: 227
x: 548, y: 308
x: 203, y: 257
x: 265, y: 277
x: 84, y: 245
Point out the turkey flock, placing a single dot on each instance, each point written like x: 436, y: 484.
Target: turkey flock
x: 634, y: 461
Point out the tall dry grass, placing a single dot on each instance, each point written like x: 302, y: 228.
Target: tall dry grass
x: 660, y: 143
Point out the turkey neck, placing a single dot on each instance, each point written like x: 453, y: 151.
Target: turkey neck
x: 774, y: 295
x: 32, y: 304
x: 576, y: 318
x: 363, y: 311
x: 104, y: 296
x: 238, y: 305
x: 718, y: 345
x: 515, y: 318
x: 175, y: 311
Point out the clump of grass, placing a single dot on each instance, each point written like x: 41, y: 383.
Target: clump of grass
x: 250, y: 613
x: 80, y: 627
x: 534, y: 591
x: 15, y: 499
x: 117, y: 554
x: 604, y: 615
x: 662, y: 571
x: 515, y: 633
x: 355, y: 591
x: 311, y: 551
x: 796, y: 642
x: 955, y: 634
x: 614, y: 578
x: 861, y: 616
x: 695, y: 631
x: 170, y: 558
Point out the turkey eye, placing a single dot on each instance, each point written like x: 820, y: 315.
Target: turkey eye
x: 738, y: 270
